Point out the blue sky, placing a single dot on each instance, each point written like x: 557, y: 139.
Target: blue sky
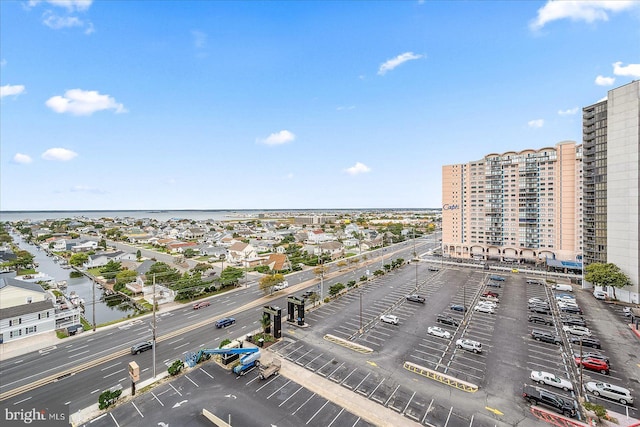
x: 282, y: 105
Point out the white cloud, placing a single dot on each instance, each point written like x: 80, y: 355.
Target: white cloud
x: 22, y: 159
x: 86, y: 189
x: 83, y: 103
x: 3, y: 62
x: 346, y: 107
x: 56, y: 22
x: 199, y: 39
x: 278, y: 138
x: 579, y: 10
x: 568, y: 112
x: 70, y: 5
x: 59, y: 154
x: 538, y: 123
x: 398, y: 60
x: 358, y: 168
x: 289, y: 176
x: 9, y: 90
x: 632, y: 70
x: 605, y: 81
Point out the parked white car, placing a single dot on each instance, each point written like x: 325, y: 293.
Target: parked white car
x: 547, y: 378
x: 488, y: 304
x: 600, y: 295
x: 577, y: 330
x: 389, y: 318
x: 281, y: 286
x: 610, y: 391
x: 438, y: 332
x: 484, y: 309
x: 469, y: 345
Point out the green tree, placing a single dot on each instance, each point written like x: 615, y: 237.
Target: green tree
x: 164, y: 273
x: 265, y: 322
x: 202, y: 267
x: 78, y: 259
x: 267, y: 283
x: 138, y: 255
x: 607, y: 275
x: 110, y: 269
x: 335, y: 289
x: 190, y: 253
x: 231, y: 276
x: 126, y: 276
x: 103, y: 244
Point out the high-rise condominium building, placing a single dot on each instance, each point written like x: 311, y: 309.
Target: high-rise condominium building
x: 521, y: 206
x: 611, y: 145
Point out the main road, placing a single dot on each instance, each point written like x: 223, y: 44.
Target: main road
x: 75, y: 371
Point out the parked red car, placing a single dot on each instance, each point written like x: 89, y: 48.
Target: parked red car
x: 201, y: 304
x: 491, y: 294
x: 593, y: 364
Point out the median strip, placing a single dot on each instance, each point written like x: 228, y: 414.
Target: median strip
x: 440, y: 377
x: 348, y: 344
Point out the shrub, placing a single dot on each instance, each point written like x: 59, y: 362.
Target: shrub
x: 108, y: 398
x: 225, y: 342
x: 176, y: 367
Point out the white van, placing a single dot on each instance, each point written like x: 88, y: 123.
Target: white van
x: 562, y: 288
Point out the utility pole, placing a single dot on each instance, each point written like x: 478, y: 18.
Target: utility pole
x: 361, y: 310
x: 153, y: 341
x: 93, y: 307
x: 415, y: 256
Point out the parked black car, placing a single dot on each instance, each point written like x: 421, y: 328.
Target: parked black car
x: 447, y: 320
x: 494, y: 285
x: 416, y: 298
x: 586, y: 341
x: 540, y: 309
x: 545, y: 336
x: 534, y: 318
x: 431, y: 268
x: 572, y: 320
x: 571, y: 309
x: 540, y: 396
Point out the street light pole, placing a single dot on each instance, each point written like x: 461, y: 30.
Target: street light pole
x: 154, y: 326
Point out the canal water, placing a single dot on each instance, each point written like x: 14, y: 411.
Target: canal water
x: 107, y: 307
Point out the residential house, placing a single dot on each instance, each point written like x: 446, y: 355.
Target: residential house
x: 25, y: 310
x: 334, y: 249
x: 102, y: 258
x: 240, y: 252
x: 181, y: 247
x: 278, y: 262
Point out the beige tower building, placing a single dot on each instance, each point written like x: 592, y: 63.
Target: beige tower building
x: 516, y: 206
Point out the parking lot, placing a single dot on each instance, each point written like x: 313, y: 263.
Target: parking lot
x: 509, y: 354
x: 245, y: 400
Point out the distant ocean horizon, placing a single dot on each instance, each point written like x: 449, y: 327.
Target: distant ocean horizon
x: 194, y: 214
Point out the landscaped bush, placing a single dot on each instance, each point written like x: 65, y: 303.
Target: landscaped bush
x: 108, y: 398
x: 176, y: 367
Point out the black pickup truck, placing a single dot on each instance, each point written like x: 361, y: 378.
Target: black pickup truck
x: 541, y: 397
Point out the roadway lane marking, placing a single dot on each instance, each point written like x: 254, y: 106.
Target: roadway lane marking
x: 294, y: 393
x: 110, y: 366
x: 134, y: 405
x: 181, y: 345
x: 156, y: 397
x: 171, y: 385
x: 95, y: 391
x: 305, y: 402
x: 78, y: 348
x: 78, y: 354
x: 281, y: 387
x: 191, y: 381
x: 175, y: 341
x: 18, y: 361
x: 23, y: 400
x: 114, y: 420
x: 317, y: 412
x: 112, y: 373
x: 122, y: 379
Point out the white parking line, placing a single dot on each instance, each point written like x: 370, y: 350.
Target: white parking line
x: 394, y: 392
x: 347, y: 377
x: 134, y: 405
x: 303, y: 356
x: 427, y: 411
x: 97, y: 418
x: 448, y: 416
x: 405, y: 408
x: 312, y: 360
x: 176, y: 390
x: 305, y: 402
x: 191, y: 381
x: 114, y: 420
x: 356, y: 387
x: 334, y: 420
x: 206, y: 373
x: 267, y: 383
x: 156, y: 397
x: 317, y: 412
x: 294, y: 393
x: 374, y: 390
x: 281, y: 387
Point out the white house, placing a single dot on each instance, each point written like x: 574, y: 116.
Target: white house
x: 25, y: 310
x: 101, y: 259
x: 240, y: 252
